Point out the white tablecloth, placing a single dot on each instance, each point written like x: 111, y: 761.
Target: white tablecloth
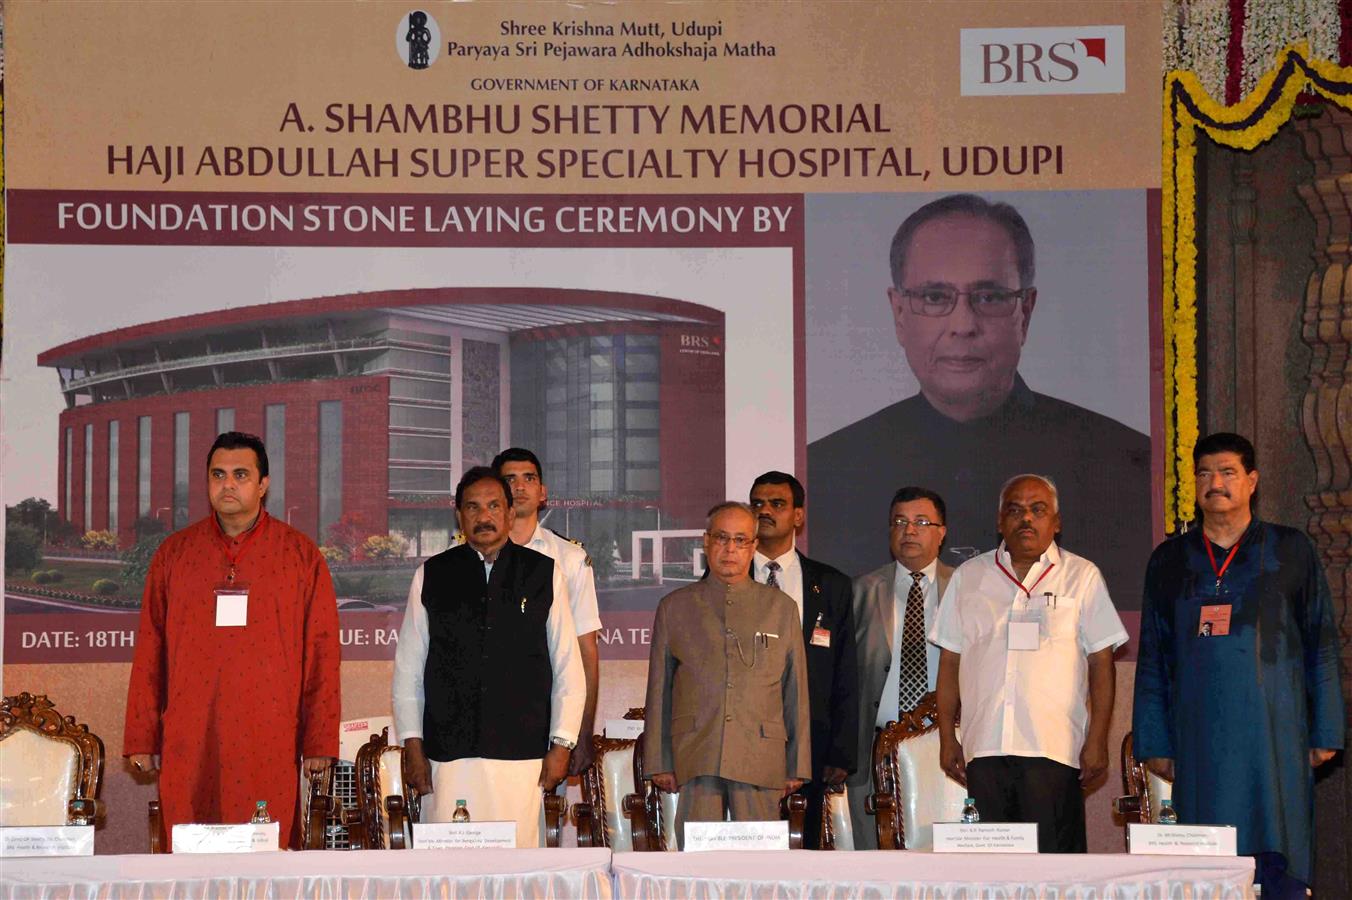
x: 901, y: 874
x: 328, y: 874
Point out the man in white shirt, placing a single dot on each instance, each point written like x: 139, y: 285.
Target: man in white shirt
x: 520, y: 468
x: 488, y: 688
x: 897, y: 665
x: 821, y: 594
x: 1027, y: 633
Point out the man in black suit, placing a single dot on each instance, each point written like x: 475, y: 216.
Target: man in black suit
x: 824, y: 599
x: 962, y: 298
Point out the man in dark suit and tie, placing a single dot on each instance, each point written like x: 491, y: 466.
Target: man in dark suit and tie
x: 894, y: 608
x: 823, y: 597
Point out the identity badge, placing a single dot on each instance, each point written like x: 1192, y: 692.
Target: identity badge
x: 1024, y: 635
x: 821, y: 637
x: 232, y: 607
x: 1214, y: 621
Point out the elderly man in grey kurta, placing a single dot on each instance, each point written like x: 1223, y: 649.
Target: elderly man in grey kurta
x: 728, y: 722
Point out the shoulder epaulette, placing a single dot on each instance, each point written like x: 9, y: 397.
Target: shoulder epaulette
x: 586, y: 556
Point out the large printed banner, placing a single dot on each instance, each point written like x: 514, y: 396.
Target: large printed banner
x: 656, y: 243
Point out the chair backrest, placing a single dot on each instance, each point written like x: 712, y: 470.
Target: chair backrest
x: 605, y: 784
x: 380, y: 776
x: 912, y: 791
x: 1145, y: 790
x: 51, y: 767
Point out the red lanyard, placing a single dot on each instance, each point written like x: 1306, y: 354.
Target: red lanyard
x: 235, y: 549
x: 1027, y: 590
x: 1211, y: 555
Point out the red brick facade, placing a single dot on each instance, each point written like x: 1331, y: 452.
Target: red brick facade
x: 365, y: 407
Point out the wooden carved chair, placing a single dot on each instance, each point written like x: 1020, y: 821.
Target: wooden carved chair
x: 911, y: 791
x: 835, y: 821
x: 51, y: 767
x: 1144, y: 790
x: 653, y: 812
x: 601, y: 817
x: 317, y: 803
x: 387, y: 805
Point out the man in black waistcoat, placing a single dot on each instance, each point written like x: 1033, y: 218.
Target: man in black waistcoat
x: 488, y: 683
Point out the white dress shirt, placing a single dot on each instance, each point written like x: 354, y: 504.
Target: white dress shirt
x: 567, y: 695
x: 1026, y: 702
x: 901, y: 591
x: 789, y: 576
x: 577, y: 570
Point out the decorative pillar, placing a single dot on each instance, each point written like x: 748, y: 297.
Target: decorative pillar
x: 1244, y: 292
x: 1327, y: 329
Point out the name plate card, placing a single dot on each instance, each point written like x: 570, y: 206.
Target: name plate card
x: 54, y: 840
x: 985, y: 837
x: 1182, y: 840
x: 464, y: 835
x: 620, y: 729
x: 736, y: 836
x: 227, y: 838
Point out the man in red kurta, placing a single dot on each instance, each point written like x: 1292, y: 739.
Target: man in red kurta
x: 235, y: 677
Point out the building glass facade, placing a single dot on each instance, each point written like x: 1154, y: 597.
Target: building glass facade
x: 113, y: 479
x: 375, y: 412
x: 591, y: 403
x: 330, y: 464
x: 274, y: 438
x: 88, y: 477
x: 182, y: 470
x: 143, y: 469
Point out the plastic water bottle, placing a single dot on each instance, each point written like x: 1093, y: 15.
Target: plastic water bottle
x: 1167, y: 814
x: 969, y: 814
x: 260, y: 816
x: 461, y: 813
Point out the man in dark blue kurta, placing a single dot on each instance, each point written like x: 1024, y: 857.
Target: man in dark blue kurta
x: 1237, y: 691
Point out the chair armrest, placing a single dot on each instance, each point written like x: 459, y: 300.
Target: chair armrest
x: 556, y: 809
x: 585, y: 820
x: 316, y: 821
x: 156, y: 827
x: 794, y: 809
x: 882, y: 808
x: 355, y: 823
x: 401, y: 827
x: 319, y: 805
x: 84, y: 811
x: 634, y: 807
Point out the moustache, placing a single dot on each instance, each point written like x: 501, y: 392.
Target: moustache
x: 484, y: 526
x: 1218, y: 492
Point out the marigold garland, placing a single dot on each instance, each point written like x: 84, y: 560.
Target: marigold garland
x: 1252, y: 121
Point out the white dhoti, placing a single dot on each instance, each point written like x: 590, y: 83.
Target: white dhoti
x: 494, y: 790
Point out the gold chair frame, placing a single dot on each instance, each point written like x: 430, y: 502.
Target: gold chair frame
x: 36, y: 713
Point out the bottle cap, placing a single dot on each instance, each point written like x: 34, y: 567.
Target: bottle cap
x: 967, y: 800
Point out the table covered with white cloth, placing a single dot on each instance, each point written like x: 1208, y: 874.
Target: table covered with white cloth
x: 900, y: 874
x: 336, y: 874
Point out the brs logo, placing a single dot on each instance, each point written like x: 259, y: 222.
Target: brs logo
x: 1007, y: 61
x: 696, y: 340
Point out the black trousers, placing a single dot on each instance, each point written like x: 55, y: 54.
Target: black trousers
x: 1031, y: 789
x: 812, y: 818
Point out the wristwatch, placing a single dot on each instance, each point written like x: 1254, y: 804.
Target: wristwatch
x: 566, y: 744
